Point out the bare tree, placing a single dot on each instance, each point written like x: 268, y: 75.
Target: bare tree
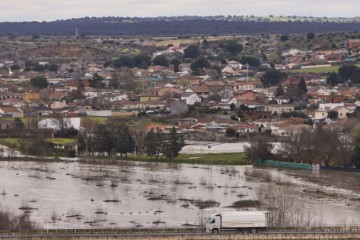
x: 88, y: 125
x: 329, y: 147
x: 285, y: 205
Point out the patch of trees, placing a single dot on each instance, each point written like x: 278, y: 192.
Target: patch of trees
x: 35, y: 66
x: 158, y: 26
x: 36, y: 146
x: 39, y: 82
x: 161, y: 60
x: 329, y: 147
x: 199, y: 66
x: 111, y: 138
x: 115, y: 137
x: 259, y: 149
x: 346, y: 73
x: 273, y: 77
x: 233, y: 47
x: 158, y: 144
x: 139, y: 61
x: 336, y: 147
x: 192, y: 51
x: 252, y: 61
x: 66, y: 133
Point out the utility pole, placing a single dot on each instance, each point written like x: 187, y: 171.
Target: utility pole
x: 247, y: 72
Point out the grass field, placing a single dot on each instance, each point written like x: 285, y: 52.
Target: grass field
x: 319, y: 70
x: 62, y: 141
x: 13, y: 142
x: 207, y: 159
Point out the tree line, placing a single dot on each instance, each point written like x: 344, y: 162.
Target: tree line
x: 338, y: 146
x: 114, y: 137
x: 100, y: 26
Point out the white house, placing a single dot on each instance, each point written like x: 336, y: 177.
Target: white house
x: 235, y: 65
x: 116, y: 97
x: 55, y: 124
x: 99, y: 113
x: 342, y: 112
x: 190, y: 98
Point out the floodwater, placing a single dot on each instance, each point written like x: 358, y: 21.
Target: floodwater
x: 134, y: 194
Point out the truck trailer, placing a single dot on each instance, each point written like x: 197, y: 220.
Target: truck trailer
x: 244, y: 221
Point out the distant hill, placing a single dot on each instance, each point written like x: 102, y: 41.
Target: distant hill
x: 181, y: 26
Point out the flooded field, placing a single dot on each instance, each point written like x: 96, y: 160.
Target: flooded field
x: 75, y: 195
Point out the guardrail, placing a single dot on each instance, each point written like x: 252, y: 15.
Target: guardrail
x: 333, y: 229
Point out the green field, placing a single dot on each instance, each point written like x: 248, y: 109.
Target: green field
x: 13, y: 142
x: 319, y: 70
x: 207, y: 159
x: 62, y: 141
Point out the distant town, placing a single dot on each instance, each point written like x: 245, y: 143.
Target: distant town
x: 215, y: 88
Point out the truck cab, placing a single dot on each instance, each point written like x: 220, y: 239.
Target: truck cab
x: 213, y: 224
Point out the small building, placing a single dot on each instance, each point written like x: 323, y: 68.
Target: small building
x: 148, y: 97
x: 342, y: 112
x: 10, y: 112
x: 190, y: 98
x: 279, y: 109
x: 247, y: 95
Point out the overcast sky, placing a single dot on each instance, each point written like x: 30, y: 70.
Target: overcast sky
x: 47, y: 10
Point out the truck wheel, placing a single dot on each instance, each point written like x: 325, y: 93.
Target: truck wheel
x: 215, y: 231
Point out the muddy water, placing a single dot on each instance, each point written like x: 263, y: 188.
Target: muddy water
x: 74, y: 195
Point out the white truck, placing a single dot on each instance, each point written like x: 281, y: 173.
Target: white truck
x: 244, y: 221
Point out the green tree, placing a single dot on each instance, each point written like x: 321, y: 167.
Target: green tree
x: 233, y: 47
x: 18, y: 124
x: 52, y: 67
x: 333, y: 115
x: 39, y: 82
x: 302, y: 87
x: 230, y: 132
x: 15, y: 67
x: 346, y: 71
x: 161, y: 60
x: 192, y: 51
x: 123, y: 61
x: 279, y: 91
x: 284, y: 38
x: 205, y: 43
x: 199, y: 65
x: 95, y: 81
x: 333, y: 79
x: 124, y: 142
x: 355, y: 76
x: 81, y: 143
x: 103, y: 139
x: 153, y: 143
x: 251, y: 60
x: 176, y: 62
x: 273, y: 77
x: 172, y: 144
x: 310, y: 35
x: 142, y: 61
